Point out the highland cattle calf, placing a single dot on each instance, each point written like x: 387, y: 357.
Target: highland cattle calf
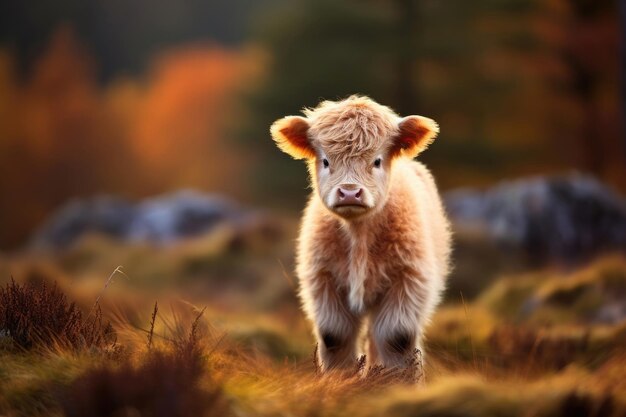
x: 374, y: 241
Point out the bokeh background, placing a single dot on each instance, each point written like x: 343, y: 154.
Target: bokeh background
x: 136, y: 99
x: 136, y: 134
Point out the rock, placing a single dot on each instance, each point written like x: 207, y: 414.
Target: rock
x: 160, y: 220
x: 613, y: 313
x: 183, y: 214
x: 106, y: 215
x: 567, y: 219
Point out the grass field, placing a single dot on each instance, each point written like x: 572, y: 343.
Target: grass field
x: 202, y: 329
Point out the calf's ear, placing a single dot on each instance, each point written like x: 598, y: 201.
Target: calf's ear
x: 414, y: 135
x: 291, y: 136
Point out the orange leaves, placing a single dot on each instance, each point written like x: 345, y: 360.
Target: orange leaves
x: 184, y: 104
x: 67, y: 134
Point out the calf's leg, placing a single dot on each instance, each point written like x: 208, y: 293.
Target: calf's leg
x: 397, y: 330
x: 336, y: 327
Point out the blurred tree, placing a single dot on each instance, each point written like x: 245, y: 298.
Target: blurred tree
x: 622, y: 9
x: 518, y: 87
x: 53, y: 115
x: 589, y: 52
x: 63, y: 136
x: 416, y: 56
x: 321, y: 49
x: 124, y: 35
x: 510, y: 82
x: 407, y: 24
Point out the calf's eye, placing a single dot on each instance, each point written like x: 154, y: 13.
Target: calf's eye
x: 325, y: 162
x: 377, y: 163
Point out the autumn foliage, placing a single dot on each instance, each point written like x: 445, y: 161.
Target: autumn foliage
x: 63, y: 134
x: 518, y: 88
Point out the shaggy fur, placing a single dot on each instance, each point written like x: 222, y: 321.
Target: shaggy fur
x: 382, y: 259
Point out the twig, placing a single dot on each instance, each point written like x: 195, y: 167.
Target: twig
x: 151, y: 333
x: 106, y: 285
x: 194, y: 327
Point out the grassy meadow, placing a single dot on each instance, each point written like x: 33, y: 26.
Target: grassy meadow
x: 142, y: 120
x: 211, y: 327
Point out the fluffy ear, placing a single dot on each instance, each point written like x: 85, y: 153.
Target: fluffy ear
x: 291, y: 135
x: 415, y: 133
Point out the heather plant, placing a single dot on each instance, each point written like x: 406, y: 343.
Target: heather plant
x: 40, y: 316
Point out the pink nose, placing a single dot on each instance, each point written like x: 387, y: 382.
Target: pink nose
x: 349, y: 195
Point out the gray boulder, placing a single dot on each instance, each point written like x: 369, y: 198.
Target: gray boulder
x: 183, y: 214
x: 568, y: 219
x: 160, y: 220
x: 107, y: 215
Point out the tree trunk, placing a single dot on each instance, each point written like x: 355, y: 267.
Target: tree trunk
x: 622, y: 12
x: 405, y: 88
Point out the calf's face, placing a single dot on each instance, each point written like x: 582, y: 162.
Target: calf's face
x: 354, y: 185
x: 350, y: 153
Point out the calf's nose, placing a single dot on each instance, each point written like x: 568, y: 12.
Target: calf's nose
x: 350, y: 195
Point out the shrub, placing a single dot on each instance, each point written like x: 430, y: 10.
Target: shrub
x: 33, y: 315
x: 165, y: 384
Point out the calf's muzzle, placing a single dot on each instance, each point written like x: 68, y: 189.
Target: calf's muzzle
x: 349, y: 195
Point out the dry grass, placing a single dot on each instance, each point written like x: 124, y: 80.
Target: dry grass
x: 167, y: 383
x: 484, y: 358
